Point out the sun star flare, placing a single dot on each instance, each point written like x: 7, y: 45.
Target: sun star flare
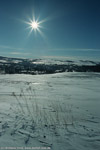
x: 35, y: 25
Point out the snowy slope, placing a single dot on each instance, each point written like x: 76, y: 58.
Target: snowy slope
x: 58, y: 111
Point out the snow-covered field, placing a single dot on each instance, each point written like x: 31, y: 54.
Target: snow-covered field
x: 58, y: 112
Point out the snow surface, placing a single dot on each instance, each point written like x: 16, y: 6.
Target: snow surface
x: 58, y: 112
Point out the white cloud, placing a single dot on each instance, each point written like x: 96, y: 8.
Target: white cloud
x: 10, y: 48
x: 10, y: 52
x: 74, y: 49
x: 19, y: 53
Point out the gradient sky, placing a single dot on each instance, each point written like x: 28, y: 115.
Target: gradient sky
x: 72, y: 28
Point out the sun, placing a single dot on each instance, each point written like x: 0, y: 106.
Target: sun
x: 34, y: 25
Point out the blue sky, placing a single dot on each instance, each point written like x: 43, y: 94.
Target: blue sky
x: 72, y: 28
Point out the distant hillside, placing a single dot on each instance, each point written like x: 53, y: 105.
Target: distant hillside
x: 42, y: 66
